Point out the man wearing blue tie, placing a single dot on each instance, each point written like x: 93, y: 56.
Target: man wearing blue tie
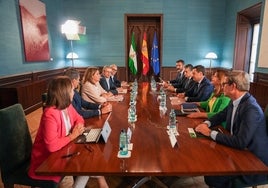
x: 202, y: 89
x: 246, y: 123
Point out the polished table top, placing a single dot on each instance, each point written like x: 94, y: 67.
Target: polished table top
x: 152, y: 153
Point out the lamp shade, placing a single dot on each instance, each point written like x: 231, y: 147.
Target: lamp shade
x: 211, y: 55
x: 71, y: 29
x: 72, y: 55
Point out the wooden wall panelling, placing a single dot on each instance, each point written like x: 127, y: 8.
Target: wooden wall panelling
x: 259, y: 91
x: 121, y: 73
x: 168, y: 73
x: 16, y: 79
x: 27, y: 94
x: 48, y: 74
x: 26, y: 89
x: 261, y: 78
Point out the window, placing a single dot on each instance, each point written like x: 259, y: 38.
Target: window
x: 253, y: 53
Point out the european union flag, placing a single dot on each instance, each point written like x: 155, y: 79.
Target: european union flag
x: 155, y: 56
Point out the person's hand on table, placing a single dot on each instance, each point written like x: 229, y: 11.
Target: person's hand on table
x: 170, y: 88
x: 181, y: 95
x: 198, y: 115
x: 77, y: 130
x: 107, y: 95
x: 106, y: 109
x: 165, y: 84
x: 203, y: 128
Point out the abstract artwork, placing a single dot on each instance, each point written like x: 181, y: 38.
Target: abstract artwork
x: 34, y: 30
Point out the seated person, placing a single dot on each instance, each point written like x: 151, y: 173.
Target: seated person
x: 245, y: 121
x: 116, y: 82
x: 217, y: 101
x: 187, y: 83
x: 202, y: 89
x: 84, y: 108
x: 60, y: 124
x: 105, y: 81
x: 91, y: 88
x: 180, y: 75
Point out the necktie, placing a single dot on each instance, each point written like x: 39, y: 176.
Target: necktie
x: 108, y: 83
x: 198, y: 86
x: 187, y: 83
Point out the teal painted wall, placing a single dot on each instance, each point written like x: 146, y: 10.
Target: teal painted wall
x: 11, y: 46
x: 190, y: 29
x: 232, y: 7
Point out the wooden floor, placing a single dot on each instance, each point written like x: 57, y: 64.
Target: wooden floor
x: 116, y: 181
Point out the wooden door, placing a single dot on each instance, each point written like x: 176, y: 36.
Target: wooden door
x: 243, y: 42
x: 138, y: 24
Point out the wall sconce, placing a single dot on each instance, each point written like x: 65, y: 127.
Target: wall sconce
x: 210, y: 56
x: 71, y: 29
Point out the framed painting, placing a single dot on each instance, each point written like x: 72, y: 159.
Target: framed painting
x: 34, y: 30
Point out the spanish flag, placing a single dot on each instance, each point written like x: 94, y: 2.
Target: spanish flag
x: 144, y: 55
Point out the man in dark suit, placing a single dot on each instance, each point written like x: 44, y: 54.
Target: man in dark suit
x: 246, y: 123
x: 180, y: 75
x: 114, y: 79
x: 105, y: 81
x: 187, y: 83
x: 202, y: 88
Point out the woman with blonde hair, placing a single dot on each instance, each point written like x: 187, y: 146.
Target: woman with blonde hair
x: 91, y: 88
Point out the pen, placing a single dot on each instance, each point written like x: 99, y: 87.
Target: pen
x: 70, y: 155
x: 88, y: 147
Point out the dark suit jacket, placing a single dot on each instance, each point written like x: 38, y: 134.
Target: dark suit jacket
x: 177, y: 82
x: 186, y: 86
x: 84, y: 108
x: 104, y: 85
x: 249, y: 130
x: 201, y: 93
x: 115, y: 81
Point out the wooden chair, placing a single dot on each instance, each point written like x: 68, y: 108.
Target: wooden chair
x: 15, y: 149
x: 44, y: 100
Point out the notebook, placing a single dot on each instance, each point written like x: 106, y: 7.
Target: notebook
x: 95, y: 134
x: 187, y: 108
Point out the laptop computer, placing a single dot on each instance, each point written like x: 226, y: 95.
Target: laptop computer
x: 95, y: 134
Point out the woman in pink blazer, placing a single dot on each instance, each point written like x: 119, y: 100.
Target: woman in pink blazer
x: 60, y: 124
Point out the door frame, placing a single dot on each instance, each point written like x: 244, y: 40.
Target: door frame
x: 142, y: 18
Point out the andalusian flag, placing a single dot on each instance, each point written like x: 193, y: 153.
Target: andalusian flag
x: 132, y: 60
x: 144, y: 55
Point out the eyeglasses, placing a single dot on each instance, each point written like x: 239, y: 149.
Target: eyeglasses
x: 224, y: 83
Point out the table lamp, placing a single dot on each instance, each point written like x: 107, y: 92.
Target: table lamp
x: 72, y: 56
x: 210, y: 56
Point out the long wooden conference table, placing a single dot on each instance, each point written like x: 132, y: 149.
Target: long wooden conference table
x: 152, y: 153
